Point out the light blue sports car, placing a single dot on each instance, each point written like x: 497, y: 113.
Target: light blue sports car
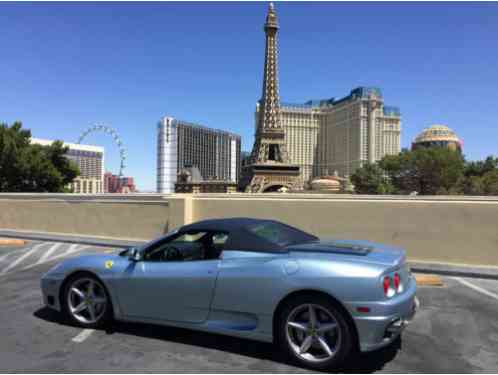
x: 317, y: 299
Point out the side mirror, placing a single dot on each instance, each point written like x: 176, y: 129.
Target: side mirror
x: 134, y: 255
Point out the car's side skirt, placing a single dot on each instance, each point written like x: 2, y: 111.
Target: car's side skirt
x: 244, y: 329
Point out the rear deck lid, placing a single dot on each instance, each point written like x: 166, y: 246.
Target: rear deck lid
x: 364, y: 250
x: 333, y: 246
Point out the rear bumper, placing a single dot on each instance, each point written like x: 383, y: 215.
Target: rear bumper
x: 387, y: 321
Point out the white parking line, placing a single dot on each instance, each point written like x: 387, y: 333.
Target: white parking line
x: 72, y: 249
x: 476, y: 288
x: 83, y: 335
x: 49, y: 252
x: 5, y: 256
x: 21, y: 258
x: 16, y: 252
x: 53, y: 252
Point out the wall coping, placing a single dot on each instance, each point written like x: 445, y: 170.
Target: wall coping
x: 350, y: 197
x: 86, y: 198
x: 155, y: 197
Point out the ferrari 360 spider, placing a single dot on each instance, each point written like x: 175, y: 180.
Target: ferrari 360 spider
x: 317, y: 299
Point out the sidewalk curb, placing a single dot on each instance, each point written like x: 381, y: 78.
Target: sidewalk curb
x: 480, y: 272
x: 428, y: 279
x: 11, y: 242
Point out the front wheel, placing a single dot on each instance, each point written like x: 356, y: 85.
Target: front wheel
x: 314, y: 332
x: 86, y: 301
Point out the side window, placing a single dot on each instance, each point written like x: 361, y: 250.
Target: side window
x: 189, y: 237
x: 184, y: 247
x: 188, y: 247
x: 157, y: 252
x: 218, y: 243
x: 219, y: 239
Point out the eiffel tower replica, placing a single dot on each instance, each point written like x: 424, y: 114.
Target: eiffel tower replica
x: 269, y: 167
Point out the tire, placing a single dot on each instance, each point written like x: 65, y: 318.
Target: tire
x: 86, y: 302
x: 304, y: 344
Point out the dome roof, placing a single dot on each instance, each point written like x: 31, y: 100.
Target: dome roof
x: 437, y: 133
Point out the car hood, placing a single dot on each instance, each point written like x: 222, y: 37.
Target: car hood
x: 363, y: 251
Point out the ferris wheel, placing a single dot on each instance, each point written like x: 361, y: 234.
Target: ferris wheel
x: 115, y: 136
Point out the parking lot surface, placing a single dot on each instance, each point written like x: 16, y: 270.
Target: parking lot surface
x: 455, y: 330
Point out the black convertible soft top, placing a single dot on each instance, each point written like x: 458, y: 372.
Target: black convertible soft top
x: 242, y: 233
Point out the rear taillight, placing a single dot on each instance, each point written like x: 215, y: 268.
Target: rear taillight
x: 392, y: 284
x: 386, y: 283
x: 396, y: 281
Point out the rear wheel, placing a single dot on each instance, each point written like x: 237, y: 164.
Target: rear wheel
x: 314, y: 332
x: 86, y: 301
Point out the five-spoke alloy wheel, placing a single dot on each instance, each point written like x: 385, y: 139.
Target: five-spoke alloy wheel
x: 86, y: 301
x: 314, y: 332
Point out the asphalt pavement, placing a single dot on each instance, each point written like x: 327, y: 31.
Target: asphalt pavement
x: 455, y: 330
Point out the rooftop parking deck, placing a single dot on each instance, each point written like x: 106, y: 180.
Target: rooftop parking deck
x: 455, y: 330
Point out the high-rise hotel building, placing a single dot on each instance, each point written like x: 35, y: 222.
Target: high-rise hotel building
x: 90, y: 160
x: 301, y: 123
x: 324, y: 136
x: 180, y: 144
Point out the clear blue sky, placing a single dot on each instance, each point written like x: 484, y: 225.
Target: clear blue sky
x: 66, y: 66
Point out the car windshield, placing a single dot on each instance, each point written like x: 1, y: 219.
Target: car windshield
x: 280, y: 234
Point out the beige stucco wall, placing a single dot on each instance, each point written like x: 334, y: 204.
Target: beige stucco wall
x: 430, y: 230
x: 107, y: 218
x: 436, y: 229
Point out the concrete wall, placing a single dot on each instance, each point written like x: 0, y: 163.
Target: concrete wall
x: 449, y: 230
x: 436, y: 229
x: 95, y: 216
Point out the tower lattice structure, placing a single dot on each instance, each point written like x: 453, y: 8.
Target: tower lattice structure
x: 269, y: 166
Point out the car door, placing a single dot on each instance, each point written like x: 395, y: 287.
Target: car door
x: 170, y: 290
